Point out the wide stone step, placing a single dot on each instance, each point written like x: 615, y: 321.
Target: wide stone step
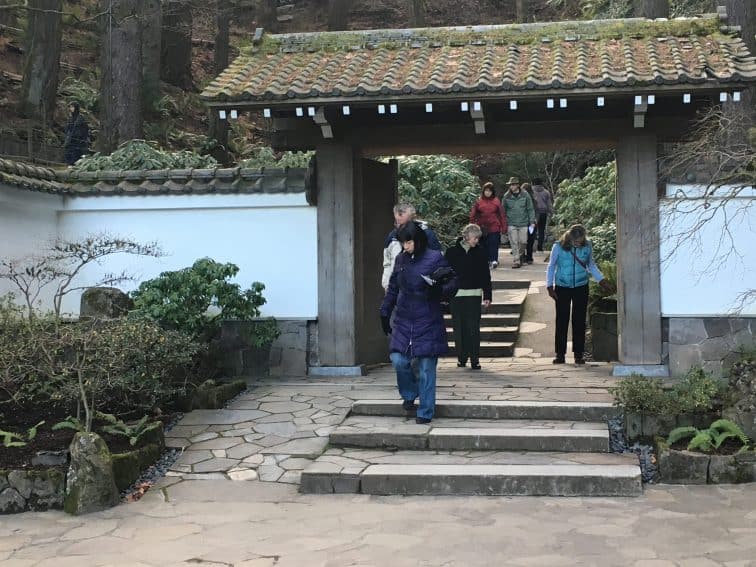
x: 489, y: 474
x: 490, y: 320
x: 495, y: 409
x: 491, y: 334
x: 472, y: 435
x: 489, y: 349
x: 510, y: 284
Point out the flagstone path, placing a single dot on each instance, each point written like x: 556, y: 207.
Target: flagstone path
x: 275, y: 430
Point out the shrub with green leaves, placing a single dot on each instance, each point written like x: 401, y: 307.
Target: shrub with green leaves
x: 442, y: 189
x: 139, y: 154
x: 590, y: 201
x: 640, y: 394
x: 134, y: 432
x: 195, y: 300
x: 697, y: 392
x: 266, y: 157
x: 119, y: 366
x: 711, y: 439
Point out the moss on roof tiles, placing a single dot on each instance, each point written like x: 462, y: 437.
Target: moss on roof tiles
x: 517, y: 34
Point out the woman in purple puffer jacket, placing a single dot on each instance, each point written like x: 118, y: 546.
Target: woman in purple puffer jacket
x: 420, y: 280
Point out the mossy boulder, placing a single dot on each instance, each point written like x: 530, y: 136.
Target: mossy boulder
x: 90, y: 483
x: 211, y: 395
x: 128, y: 466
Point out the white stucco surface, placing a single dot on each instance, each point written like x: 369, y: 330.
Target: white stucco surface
x: 271, y: 237
x: 708, y: 253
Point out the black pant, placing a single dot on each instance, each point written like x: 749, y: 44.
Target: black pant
x: 541, y: 228
x: 466, y: 321
x: 529, y: 246
x: 578, y: 297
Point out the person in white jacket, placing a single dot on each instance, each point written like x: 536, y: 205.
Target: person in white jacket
x: 403, y: 213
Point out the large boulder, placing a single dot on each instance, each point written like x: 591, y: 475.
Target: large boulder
x: 104, y: 303
x: 90, y: 483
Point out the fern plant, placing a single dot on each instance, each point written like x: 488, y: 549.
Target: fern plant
x: 11, y: 439
x: 711, y: 439
x: 70, y: 422
x: 134, y: 432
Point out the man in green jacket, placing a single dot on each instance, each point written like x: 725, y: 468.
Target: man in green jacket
x: 518, y: 206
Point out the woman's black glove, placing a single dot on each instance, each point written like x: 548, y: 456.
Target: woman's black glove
x: 386, y: 324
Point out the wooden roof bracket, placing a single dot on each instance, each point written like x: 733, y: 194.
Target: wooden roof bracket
x: 479, y: 118
x: 639, y: 115
x: 322, y: 121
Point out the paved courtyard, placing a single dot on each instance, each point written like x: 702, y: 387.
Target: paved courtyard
x: 232, y: 499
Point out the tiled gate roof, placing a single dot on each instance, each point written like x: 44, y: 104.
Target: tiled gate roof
x: 150, y: 182
x: 570, y: 56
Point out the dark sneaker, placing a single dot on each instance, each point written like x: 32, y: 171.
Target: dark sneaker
x: 461, y: 363
x: 408, y: 405
x: 475, y: 365
x: 422, y: 420
x: 558, y: 360
x: 579, y: 360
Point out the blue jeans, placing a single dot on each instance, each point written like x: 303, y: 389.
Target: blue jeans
x: 492, y: 243
x: 422, y: 385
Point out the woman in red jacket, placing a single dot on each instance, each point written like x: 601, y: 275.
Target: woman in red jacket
x: 488, y: 214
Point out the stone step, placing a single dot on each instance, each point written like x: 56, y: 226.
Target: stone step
x: 491, y: 334
x: 489, y: 349
x: 471, y: 434
x: 489, y: 474
x: 496, y: 409
x: 489, y: 320
x: 510, y: 284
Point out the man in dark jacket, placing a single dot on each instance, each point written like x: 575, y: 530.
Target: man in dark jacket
x: 470, y: 262
x: 403, y: 214
x: 77, y: 135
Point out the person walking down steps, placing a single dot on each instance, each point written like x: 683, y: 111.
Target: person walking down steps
x: 421, y: 279
x: 544, y: 208
x: 518, y: 207
x: 468, y: 261
x: 488, y: 213
x: 570, y: 266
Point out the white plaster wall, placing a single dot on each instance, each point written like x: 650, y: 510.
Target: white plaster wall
x: 28, y: 220
x: 271, y: 237
x: 708, y: 253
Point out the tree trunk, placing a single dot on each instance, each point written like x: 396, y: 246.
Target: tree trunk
x: 520, y: 11
x: 41, y: 59
x: 121, y: 83
x: 652, y: 8
x: 219, y: 128
x: 8, y: 17
x: 337, y: 14
x: 416, y: 9
x: 176, y: 52
x: 267, y: 15
x: 151, y: 22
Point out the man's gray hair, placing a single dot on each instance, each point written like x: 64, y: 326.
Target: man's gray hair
x: 403, y: 208
x: 472, y: 230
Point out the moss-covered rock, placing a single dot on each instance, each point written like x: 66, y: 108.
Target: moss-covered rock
x: 128, y: 466
x: 90, y: 484
x: 212, y: 396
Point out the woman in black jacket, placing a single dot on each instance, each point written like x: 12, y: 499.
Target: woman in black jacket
x: 470, y: 262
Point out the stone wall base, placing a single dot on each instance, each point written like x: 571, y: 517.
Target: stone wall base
x: 708, y: 342
x: 291, y: 353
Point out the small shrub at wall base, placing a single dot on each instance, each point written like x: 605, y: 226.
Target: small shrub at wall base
x: 697, y: 392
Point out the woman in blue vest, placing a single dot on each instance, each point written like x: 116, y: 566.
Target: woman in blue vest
x: 570, y: 266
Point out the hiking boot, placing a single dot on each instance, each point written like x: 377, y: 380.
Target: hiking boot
x: 579, y: 359
x: 558, y: 360
x: 475, y: 365
x: 408, y: 405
